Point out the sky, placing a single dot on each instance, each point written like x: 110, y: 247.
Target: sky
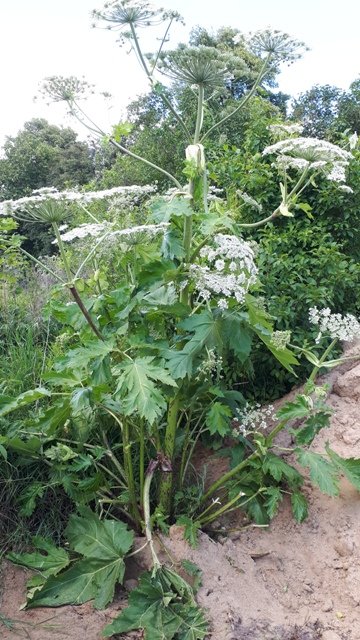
x: 40, y: 38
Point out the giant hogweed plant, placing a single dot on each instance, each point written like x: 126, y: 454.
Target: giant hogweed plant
x: 143, y: 380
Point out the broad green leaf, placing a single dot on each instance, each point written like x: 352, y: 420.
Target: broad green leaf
x: 180, y: 363
x: 273, y: 497
x: 162, y: 210
x: 217, y: 419
x: 350, y: 467
x: 238, y: 335
x: 136, y: 389
x: 207, y: 330
x: 103, y: 544
x: 279, y: 469
x: 164, y: 607
x: 298, y: 408
x: 28, y: 447
x: 11, y: 404
x: 96, y: 538
x: 80, y: 357
x: 299, y: 506
x: 322, y: 472
x: 121, y: 130
x: 88, y: 579
x: 160, y: 295
x: 54, y: 417
x: 63, y: 378
x: 80, y: 402
x: 312, y: 427
x: 47, y: 558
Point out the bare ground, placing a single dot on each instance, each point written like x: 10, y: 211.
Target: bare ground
x: 286, y: 582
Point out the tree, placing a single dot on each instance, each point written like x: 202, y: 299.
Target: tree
x: 43, y: 155
x: 318, y: 109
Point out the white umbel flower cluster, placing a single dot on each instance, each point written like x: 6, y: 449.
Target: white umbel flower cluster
x: 9, y: 207
x: 229, y: 270
x: 126, y: 235
x: 301, y: 153
x: 252, y: 418
x: 346, y: 328
x: 285, y: 129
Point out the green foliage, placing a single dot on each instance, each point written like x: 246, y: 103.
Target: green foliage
x: 102, y: 544
x: 163, y: 607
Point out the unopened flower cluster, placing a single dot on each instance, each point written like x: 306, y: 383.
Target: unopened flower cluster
x: 229, y: 270
x: 210, y: 367
x: 346, y: 328
x: 39, y: 196
x: 313, y: 154
x: 252, y: 418
x: 280, y: 339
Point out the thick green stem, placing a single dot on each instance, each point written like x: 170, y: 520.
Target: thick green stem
x: 62, y: 252
x: 200, y: 114
x: 226, y: 507
x: 327, y: 351
x: 128, y: 465
x: 227, y: 476
x: 166, y: 485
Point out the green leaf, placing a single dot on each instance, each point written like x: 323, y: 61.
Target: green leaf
x: 96, y: 538
x: 299, y: 408
x: 238, y: 335
x: 11, y: 404
x: 195, y: 572
x: 273, y: 498
x: 163, y: 607
x: 322, y: 473
x: 137, y: 391
x: 123, y: 129
x: 28, y: 497
x: 312, y: 427
x: 279, y: 469
x: 217, y: 419
x: 191, y: 530
x: 162, y: 210
x: 25, y: 447
x: 299, y: 506
x: 54, y: 417
x: 80, y: 357
x: 350, y: 467
x: 103, y: 543
x: 47, y: 558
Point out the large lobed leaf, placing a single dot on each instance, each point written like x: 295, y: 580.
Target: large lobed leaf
x: 103, y: 545
x: 136, y: 389
x: 163, y: 606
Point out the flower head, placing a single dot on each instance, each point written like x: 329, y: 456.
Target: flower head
x: 132, y: 14
x: 201, y: 66
x: 280, y: 46
x: 346, y: 328
x: 228, y: 270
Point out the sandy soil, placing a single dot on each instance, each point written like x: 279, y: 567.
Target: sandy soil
x: 286, y: 582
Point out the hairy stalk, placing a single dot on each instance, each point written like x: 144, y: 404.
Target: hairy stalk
x: 71, y: 285
x: 84, y: 311
x: 150, y: 164
x: 244, y: 100
x: 149, y: 75
x: 166, y: 484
